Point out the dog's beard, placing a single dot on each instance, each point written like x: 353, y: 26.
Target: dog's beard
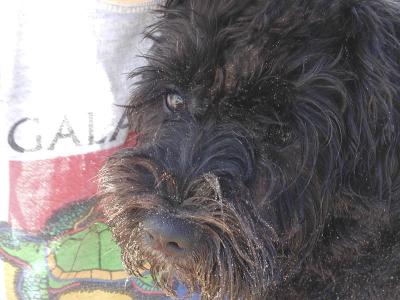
x: 235, y: 257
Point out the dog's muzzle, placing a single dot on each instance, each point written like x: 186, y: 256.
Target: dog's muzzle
x: 183, y: 205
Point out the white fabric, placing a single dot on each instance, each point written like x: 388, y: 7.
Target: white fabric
x: 63, y: 69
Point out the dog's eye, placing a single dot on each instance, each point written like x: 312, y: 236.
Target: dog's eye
x: 174, y: 102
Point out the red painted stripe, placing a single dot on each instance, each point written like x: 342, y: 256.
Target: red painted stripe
x: 39, y: 188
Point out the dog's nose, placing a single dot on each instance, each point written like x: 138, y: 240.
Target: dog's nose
x: 169, y: 235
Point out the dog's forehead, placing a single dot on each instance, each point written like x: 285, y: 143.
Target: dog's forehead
x: 240, y: 64
x: 208, y: 56
x: 193, y: 50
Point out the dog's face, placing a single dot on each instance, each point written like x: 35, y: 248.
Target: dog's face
x: 195, y: 200
x: 241, y: 121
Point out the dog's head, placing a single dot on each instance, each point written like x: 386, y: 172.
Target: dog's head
x: 241, y: 117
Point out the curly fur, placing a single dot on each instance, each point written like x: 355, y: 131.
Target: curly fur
x: 287, y: 155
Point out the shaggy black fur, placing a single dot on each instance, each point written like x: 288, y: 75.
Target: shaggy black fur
x: 284, y: 151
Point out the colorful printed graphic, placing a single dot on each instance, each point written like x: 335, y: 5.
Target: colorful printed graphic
x: 56, y: 246
x: 63, y: 89
x: 74, y: 252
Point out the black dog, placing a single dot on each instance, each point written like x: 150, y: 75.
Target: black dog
x: 268, y: 159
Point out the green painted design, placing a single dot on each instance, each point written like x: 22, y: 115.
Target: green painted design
x: 31, y: 251
x: 79, y: 244
x: 57, y: 284
x: 110, y: 253
x: 89, y: 249
x: 66, y: 218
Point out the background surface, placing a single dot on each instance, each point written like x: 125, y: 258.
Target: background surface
x: 63, y: 69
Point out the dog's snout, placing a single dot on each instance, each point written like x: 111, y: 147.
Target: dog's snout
x: 169, y: 235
